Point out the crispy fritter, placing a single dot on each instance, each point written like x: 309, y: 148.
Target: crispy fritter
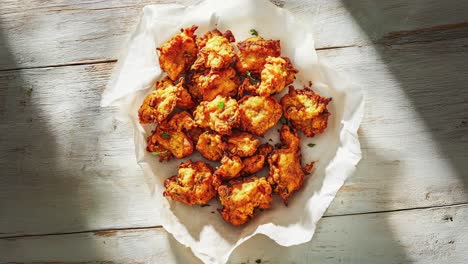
x: 306, y: 110
x: 253, y: 53
x: 170, y: 137
x: 179, y: 53
x: 194, y: 183
x: 160, y: 103
x: 230, y: 168
x: 158, y: 150
x: 256, y: 162
x: 182, y: 121
x: 177, y: 142
x: 240, y: 199
x: 221, y: 114
x: 184, y: 100
x: 286, y: 172
x: 258, y: 114
x: 210, y: 83
x: 242, y: 144
x: 216, y: 51
x: 211, y: 146
x: 278, y: 73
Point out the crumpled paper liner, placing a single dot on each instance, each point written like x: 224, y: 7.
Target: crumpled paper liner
x: 336, y: 152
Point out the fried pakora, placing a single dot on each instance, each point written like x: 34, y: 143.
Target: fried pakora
x: 177, y: 142
x: 211, y: 83
x: 170, y: 137
x: 230, y: 168
x: 215, y: 51
x: 178, y: 53
x: 160, y: 103
x: 255, y: 163
x: 286, y: 173
x: 240, y: 199
x: 211, y: 146
x: 194, y: 183
x: 277, y: 73
x: 258, y: 114
x: 242, y: 144
x: 157, y: 150
x: 253, y: 53
x: 220, y: 114
x: 306, y: 110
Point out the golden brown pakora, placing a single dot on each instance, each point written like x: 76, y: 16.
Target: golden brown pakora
x: 277, y: 73
x: 184, y: 100
x: 286, y: 173
x: 170, y: 136
x: 240, y: 199
x: 211, y: 83
x: 160, y: 103
x: 230, y: 168
x: 211, y: 146
x: 255, y: 163
x: 193, y: 184
x: 177, y: 142
x: 178, y: 53
x: 253, y: 53
x: 306, y: 110
x: 159, y: 151
x: 220, y: 114
x: 242, y: 144
x: 258, y: 114
x: 215, y: 51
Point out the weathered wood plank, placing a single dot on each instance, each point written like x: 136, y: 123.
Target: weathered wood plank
x: 437, y: 235
x: 65, y: 158
x: 82, y: 31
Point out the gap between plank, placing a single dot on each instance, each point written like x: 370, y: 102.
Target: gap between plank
x: 159, y: 226
x: 77, y: 63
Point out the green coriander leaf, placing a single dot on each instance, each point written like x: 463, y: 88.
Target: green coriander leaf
x: 253, y: 32
x: 221, y: 105
x: 252, y: 79
x: 311, y: 145
x: 165, y: 135
x: 157, y: 153
x: 283, y: 120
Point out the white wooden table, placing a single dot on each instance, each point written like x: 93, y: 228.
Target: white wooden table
x: 70, y: 189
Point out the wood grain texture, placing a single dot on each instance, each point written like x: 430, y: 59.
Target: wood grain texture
x: 65, y: 157
x: 83, y: 31
x: 437, y: 235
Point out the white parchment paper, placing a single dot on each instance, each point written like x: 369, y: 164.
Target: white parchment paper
x: 337, y: 151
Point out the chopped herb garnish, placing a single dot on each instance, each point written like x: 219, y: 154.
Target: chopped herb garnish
x: 165, y: 135
x: 157, y: 153
x: 283, y: 120
x: 253, y: 32
x: 221, y: 105
x: 252, y: 79
x: 311, y: 145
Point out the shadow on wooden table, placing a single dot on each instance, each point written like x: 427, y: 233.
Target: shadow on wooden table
x: 33, y: 172
x: 438, y: 54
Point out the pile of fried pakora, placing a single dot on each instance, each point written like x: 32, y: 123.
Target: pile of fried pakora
x: 220, y: 102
